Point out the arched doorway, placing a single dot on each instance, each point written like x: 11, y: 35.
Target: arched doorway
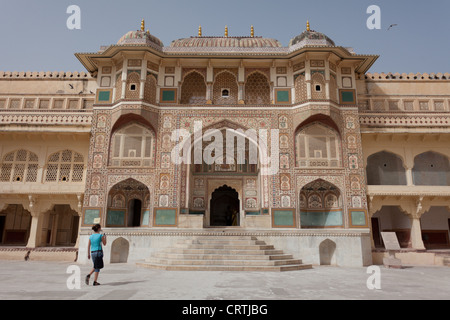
x: 225, y: 207
x: 128, y: 204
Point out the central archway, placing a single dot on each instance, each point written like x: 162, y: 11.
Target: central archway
x: 128, y: 204
x: 225, y: 206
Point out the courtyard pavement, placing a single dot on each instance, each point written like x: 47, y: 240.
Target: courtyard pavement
x: 34, y: 280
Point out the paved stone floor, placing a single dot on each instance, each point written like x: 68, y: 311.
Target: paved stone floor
x: 48, y: 281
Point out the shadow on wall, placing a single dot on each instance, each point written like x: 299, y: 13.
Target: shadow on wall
x: 119, y: 251
x: 327, y: 249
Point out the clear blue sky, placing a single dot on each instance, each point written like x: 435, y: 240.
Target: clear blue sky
x: 34, y: 36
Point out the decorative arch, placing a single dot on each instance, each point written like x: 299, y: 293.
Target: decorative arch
x: 431, y: 169
x: 133, y: 145
x: 385, y: 168
x: 316, y: 213
x: 129, y: 215
x: 65, y: 166
x: 257, y: 88
x: 318, y: 145
x: 150, y: 88
x: 318, y: 80
x: 19, y: 166
x: 133, y: 87
x: 193, y: 88
x: 225, y: 80
x: 225, y: 207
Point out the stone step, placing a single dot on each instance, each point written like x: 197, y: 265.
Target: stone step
x: 224, y: 237
x: 223, y: 251
x: 202, y: 262
x: 214, y: 256
x: 224, y: 246
x: 240, y: 242
x: 225, y: 268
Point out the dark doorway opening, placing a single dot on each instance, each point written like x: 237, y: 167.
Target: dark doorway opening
x: 134, y: 213
x: 224, y: 207
x: 2, y: 227
x: 376, y: 233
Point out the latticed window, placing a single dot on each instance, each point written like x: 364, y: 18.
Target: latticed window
x: 65, y: 166
x: 257, y: 89
x: 19, y: 166
x: 133, y: 146
x: 193, y: 89
x: 225, y: 90
x: 317, y: 146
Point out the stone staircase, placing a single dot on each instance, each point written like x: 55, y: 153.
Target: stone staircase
x: 223, y: 253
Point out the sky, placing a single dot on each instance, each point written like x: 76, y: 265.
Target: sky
x: 34, y: 34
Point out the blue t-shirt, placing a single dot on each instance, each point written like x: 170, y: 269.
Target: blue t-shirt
x: 96, y: 242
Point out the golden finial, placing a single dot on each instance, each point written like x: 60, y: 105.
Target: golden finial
x: 143, y: 25
x: 226, y: 31
x: 252, y: 32
x: 199, y: 31
x: 308, y: 28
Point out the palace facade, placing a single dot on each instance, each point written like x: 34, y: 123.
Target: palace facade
x: 357, y: 153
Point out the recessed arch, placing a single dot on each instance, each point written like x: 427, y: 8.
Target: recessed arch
x: 431, y: 169
x: 317, y: 145
x: 315, y: 212
x: 19, y: 166
x: 193, y: 88
x: 225, y: 81
x: 126, y: 204
x: 132, y: 145
x: 385, y: 168
x: 257, y: 88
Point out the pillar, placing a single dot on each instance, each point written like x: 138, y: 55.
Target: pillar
x: 209, y: 88
x: 415, y: 212
x: 35, y: 238
x: 409, y: 176
x: 124, y: 78
x: 241, y: 93
x: 80, y: 214
x: 416, y: 233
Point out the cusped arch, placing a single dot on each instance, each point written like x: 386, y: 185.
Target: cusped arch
x: 65, y: 166
x: 431, y: 169
x: 385, y: 168
x: 130, y: 213
x: 257, y: 88
x: 316, y: 213
x: 19, y: 166
x: 225, y: 80
x: 193, y: 88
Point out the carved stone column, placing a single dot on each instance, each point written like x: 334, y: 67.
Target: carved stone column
x: 34, y: 240
x: 416, y: 230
